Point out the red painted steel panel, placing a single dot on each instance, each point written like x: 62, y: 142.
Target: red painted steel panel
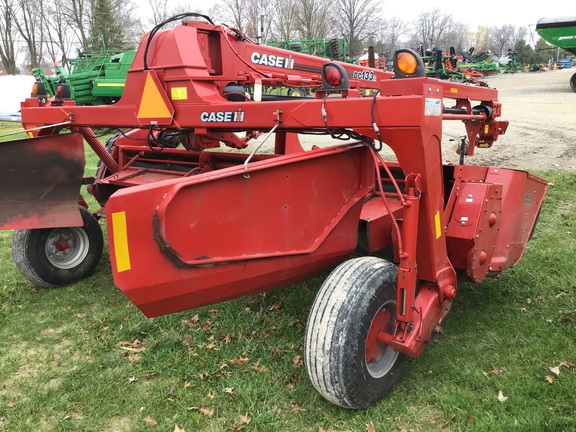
x: 474, y: 228
x: 303, y: 219
x: 522, y: 198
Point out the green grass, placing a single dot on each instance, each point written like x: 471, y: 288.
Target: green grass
x: 83, y: 358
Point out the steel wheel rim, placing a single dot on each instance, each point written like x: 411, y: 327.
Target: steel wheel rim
x: 66, y: 248
x: 380, y: 358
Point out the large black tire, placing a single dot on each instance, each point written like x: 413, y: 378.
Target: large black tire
x: 355, y: 295
x: 53, y: 257
x: 573, y: 82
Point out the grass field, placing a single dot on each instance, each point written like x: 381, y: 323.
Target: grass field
x: 83, y: 358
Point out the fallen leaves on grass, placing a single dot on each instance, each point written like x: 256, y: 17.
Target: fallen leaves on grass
x: 297, y: 361
x: 556, y: 371
x: 370, y: 427
x: 208, y: 412
x: 244, y: 421
x: 496, y: 370
x: 501, y: 397
x: 297, y: 408
x: 240, y: 361
x: 135, y: 346
x: 256, y: 366
x: 178, y: 429
x: 150, y: 421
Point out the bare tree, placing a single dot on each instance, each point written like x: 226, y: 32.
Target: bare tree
x: 79, y: 15
x: 59, y: 32
x: 458, y: 37
x: 30, y: 27
x: 432, y: 28
x: 520, y: 35
x: 387, y: 34
x: 7, y: 37
x: 160, y: 11
x: 126, y: 23
x: 353, y: 21
x: 235, y: 12
x: 284, y: 15
x: 501, y: 38
x: 312, y: 18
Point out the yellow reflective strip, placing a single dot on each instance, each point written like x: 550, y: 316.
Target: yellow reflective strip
x: 121, y: 241
x: 438, y: 225
x: 110, y: 84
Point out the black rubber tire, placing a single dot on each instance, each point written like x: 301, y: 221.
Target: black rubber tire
x: 337, y: 330
x: 573, y: 82
x: 37, y: 257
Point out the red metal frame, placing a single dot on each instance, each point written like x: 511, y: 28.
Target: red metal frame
x: 224, y: 225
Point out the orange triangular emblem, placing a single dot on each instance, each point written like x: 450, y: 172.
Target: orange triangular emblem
x: 154, y: 105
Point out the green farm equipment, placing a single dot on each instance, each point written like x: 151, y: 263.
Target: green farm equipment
x: 93, y: 78
x: 446, y: 65
x: 482, y: 63
x: 330, y: 48
x: 560, y: 32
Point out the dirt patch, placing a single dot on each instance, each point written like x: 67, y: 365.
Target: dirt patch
x: 541, y: 110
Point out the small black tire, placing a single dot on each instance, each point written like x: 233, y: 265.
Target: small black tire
x: 335, y: 342
x: 573, y: 82
x: 54, y: 257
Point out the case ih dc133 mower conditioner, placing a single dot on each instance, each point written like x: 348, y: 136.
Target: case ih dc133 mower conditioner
x: 189, y: 227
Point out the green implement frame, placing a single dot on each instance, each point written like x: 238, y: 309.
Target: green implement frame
x: 94, y: 78
x: 333, y: 49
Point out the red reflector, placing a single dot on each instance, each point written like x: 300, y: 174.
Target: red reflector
x: 332, y: 75
x: 59, y: 91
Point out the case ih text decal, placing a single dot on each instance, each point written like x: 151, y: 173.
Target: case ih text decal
x: 272, y: 60
x: 222, y: 116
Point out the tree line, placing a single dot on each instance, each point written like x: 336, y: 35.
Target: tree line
x: 40, y: 33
